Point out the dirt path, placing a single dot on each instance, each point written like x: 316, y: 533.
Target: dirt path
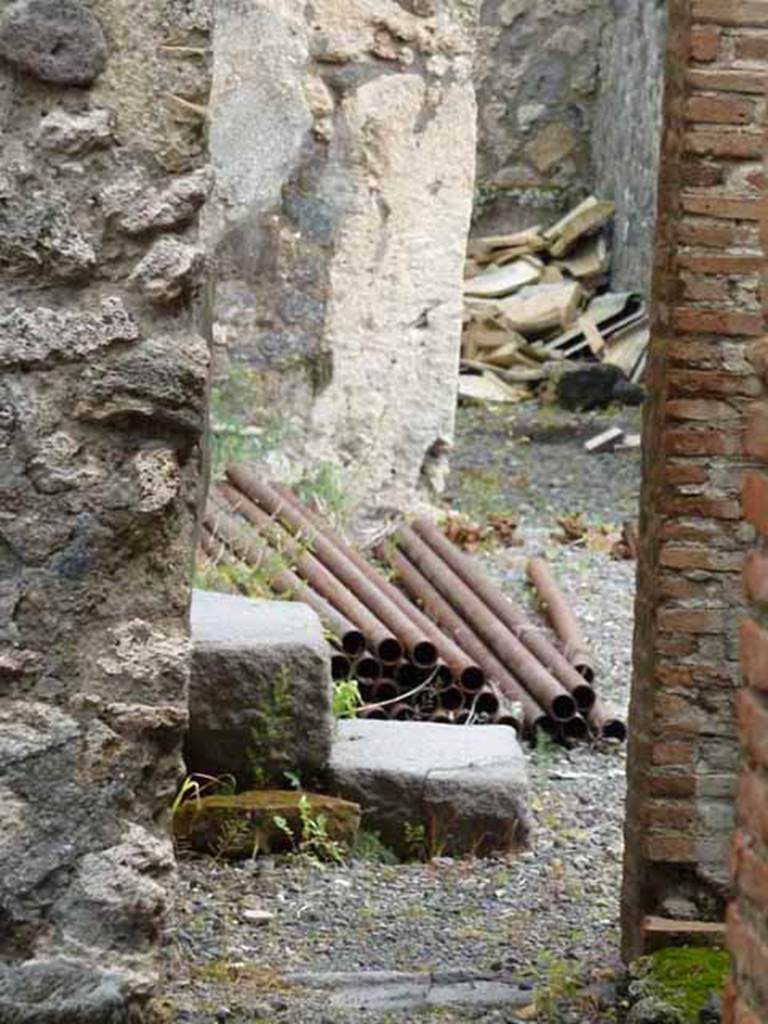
x: 546, y: 922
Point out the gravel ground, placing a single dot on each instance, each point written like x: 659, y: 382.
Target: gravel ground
x: 547, y: 919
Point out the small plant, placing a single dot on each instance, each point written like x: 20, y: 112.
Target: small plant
x: 313, y: 840
x: 324, y: 491
x: 193, y: 787
x: 415, y: 840
x: 346, y: 698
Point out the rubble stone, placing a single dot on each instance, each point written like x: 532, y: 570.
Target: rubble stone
x: 171, y: 268
x: 366, y: 168
x: 462, y: 788
x: 138, y: 208
x: 102, y: 413
x: 59, y: 41
x: 77, y: 133
x: 260, y: 694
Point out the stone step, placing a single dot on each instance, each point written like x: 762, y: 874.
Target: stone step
x: 455, y: 789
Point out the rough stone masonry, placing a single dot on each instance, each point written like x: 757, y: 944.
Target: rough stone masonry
x: 343, y: 139
x: 102, y: 408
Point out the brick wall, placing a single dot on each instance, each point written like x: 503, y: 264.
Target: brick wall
x: 747, y: 1001
x: 706, y: 426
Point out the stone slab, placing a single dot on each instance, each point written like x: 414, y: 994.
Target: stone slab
x: 260, y: 692
x: 466, y: 785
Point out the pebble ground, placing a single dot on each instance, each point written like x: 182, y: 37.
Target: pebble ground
x: 548, y: 917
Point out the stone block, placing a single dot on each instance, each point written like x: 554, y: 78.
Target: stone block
x: 260, y: 694
x: 463, y: 788
x: 57, y: 41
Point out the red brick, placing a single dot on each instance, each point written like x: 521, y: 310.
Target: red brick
x: 720, y: 263
x: 691, y: 620
x: 754, y: 500
x: 754, y: 654
x: 752, y: 803
x: 673, y: 675
x: 705, y: 43
x: 699, y: 442
x: 692, y: 320
x: 691, y: 557
x: 676, y: 814
x: 700, y: 506
x: 672, y: 753
x: 699, y: 174
x: 672, y: 785
x: 731, y: 145
x: 752, y: 721
x: 743, y: 1014
x: 703, y: 532
x: 756, y: 576
x: 700, y: 288
x: 756, y: 431
x: 675, y: 646
x: 751, y: 47
x: 758, y: 356
x: 730, y: 12
x: 719, y: 109
x: 750, y: 953
x: 702, y: 409
x: 680, y: 588
x: 706, y: 233
x: 686, y: 474
x: 751, y: 872
x: 751, y: 83
x: 670, y: 849
x: 723, y: 206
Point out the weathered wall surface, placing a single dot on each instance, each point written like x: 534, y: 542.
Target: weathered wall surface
x: 569, y: 101
x: 627, y: 132
x: 703, y: 433
x: 538, y: 78
x: 102, y: 407
x: 343, y: 137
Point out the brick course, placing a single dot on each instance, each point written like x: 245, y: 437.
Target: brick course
x: 705, y: 488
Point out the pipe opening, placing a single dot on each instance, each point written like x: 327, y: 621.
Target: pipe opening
x: 340, y: 666
x: 584, y: 697
x: 563, y: 707
x: 353, y: 643
x: 487, y: 704
x: 575, y: 728
x: 424, y: 654
x: 472, y: 679
x: 367, y: 668
x: 390, y: 651
x: 451, y: 698
x: 614, y: 729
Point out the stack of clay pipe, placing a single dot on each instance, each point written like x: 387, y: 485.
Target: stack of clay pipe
x: 445, y: 645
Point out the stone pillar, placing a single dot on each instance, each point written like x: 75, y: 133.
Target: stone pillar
x: 625, y: 141
x: 102, y: 411
x: 343, y: 137
x: 702, y: 432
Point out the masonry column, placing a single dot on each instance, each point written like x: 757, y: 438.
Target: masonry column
x: 702, y: 433
x: 102, y: 409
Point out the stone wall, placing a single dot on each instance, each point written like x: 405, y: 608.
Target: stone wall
x: 343, y: 137
x: 538, y: 78
x: 102, y: 409
x: 627, y: 132
x: 703, y: 432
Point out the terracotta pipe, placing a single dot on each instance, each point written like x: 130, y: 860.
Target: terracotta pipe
x: 384, y: 690
x: 574, y: 729
x: 560, y: 615
x: 605, y: 720
x: 402, y: 713
x: 486, y: 702
x: 443, y: 612
x: 451, y: 699
x: 369, y: 668
x: 511, y: 614
x: 386, y: 645
x: 461, y: 667
x: 421, y: 649
x: 256, y: 551
x: 341, y: 665
x: 373, y: 712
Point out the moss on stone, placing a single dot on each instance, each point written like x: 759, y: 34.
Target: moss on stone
x: 684, y: 977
